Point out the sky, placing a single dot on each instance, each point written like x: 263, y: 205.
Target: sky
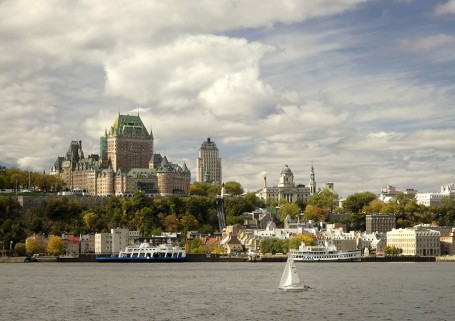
x: 361, y: 90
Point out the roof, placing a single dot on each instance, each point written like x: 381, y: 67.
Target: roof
x: 124, y: 124
x: 208, y: 144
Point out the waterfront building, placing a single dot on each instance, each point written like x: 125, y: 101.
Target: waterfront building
x: 103, y: 243
x: 379, y: 223
x: 120, y: 238
x: 336, y: 236
x: 448, y: 242
x: 71, y: 244
x: 419, y: 241
x: 371, y: 244
x: 285, y: 190
x: 126, y: 164
x: 208, y: 164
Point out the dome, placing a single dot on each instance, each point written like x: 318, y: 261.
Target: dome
x: 286, y: 170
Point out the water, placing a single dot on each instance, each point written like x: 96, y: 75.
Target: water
x: 225, y: 291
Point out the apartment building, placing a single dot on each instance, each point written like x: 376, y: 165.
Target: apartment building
x: 419, y: 241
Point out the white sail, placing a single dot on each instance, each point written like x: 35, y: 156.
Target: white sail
x: 290, y: 278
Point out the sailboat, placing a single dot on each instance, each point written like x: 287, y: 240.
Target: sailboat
x: 290, y: 280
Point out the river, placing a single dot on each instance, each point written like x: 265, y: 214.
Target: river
x: 225, y: 291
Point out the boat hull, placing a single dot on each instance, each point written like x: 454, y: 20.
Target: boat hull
x: 340, y: 256
x: 110, y: 259
x: 294, y: 289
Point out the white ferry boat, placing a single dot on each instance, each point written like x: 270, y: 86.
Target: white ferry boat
x: 145, y: 252
x: 326, y: 253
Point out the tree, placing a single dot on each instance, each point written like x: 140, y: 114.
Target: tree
x: 314, y: 213
x: 393, y: 250
x: 20, y: 249
x: 374, y: 207
x: 355, y: 203
x: 290, y: 209
x: 324, y: 199
x: 34, y: 245
x: 55, y: 245
x: 233, y: 188
x: 306, y: 238
x: 171, y: 223
x: 188, y: 222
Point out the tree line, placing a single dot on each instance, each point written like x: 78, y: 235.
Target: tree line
x: 151, y: 216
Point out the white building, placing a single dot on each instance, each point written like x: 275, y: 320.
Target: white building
x: 103, y: 243
x: 419, y: 241
x: 436, y: 199
x: 285, y: 190
x: 119, y: 239
x: 111, y: 243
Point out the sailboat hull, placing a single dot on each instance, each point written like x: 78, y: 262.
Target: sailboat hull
x: 294, y: 288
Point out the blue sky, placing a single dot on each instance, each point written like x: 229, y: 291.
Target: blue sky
x: 363, y: 90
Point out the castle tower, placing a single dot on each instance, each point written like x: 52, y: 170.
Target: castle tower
x: 209, y: 163
x: 127, y: 144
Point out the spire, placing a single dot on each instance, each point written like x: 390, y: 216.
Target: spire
x: 312, y: 182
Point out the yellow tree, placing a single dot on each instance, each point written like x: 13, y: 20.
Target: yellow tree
x: 55, y: 245
x: 32, y: 245
x: 306, y: 238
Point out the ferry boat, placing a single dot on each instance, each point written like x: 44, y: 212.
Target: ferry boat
x: 145, y: 252
x: 324, y: 253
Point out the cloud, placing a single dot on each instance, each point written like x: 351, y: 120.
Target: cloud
x: 445, y: 8
x: 295, y: 82
x: 429, y: 43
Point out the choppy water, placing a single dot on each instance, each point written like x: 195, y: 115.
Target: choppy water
x: 226, y: 291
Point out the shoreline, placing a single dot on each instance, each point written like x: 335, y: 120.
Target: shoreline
x: 202, y: 258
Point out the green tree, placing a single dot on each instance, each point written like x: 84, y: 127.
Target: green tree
x: 356, y: 202
x: 233, y: 188
x: 20, y: 249
x: 325, y: 200
x: 274, y: 245
x: 291, y: 209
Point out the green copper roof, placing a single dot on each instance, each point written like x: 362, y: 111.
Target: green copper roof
x: 125, y: 124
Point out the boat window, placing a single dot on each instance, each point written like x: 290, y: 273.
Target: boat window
x: 141, y: 254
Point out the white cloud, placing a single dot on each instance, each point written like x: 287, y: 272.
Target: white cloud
x: 429, y: 42
x: 445, y: 8
x: 294, y: 82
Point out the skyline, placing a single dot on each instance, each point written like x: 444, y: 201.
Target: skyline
x: 360, y: 89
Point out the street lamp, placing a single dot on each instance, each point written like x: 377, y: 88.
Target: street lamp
x: 10, y: 245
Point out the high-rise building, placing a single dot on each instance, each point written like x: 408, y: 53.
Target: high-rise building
x: 209, y: 164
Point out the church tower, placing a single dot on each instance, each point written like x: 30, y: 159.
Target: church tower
x: 312, y: 182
